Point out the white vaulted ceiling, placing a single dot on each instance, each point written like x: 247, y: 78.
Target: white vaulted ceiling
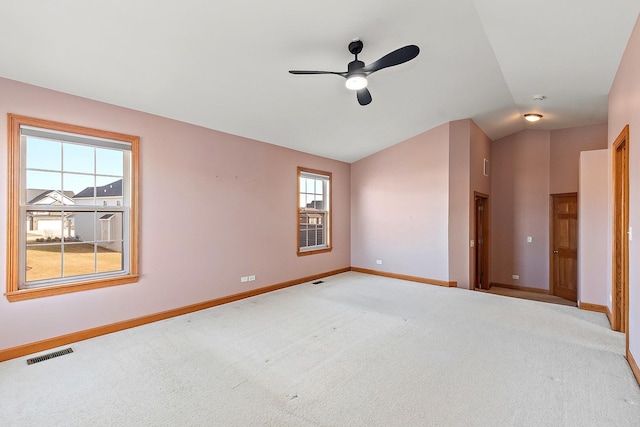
x: 223, y: 65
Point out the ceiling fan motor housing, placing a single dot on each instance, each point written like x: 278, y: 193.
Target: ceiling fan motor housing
x: 354, y: 66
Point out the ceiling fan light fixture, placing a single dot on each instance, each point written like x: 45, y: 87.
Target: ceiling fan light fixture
x: 356, y: 82
x: 532, y: 117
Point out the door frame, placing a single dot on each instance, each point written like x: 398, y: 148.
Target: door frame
x: 551, y: 238
x: 487, y: 238
x: 620, y: 322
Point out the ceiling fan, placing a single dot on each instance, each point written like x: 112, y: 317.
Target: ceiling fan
x: 357, y: 72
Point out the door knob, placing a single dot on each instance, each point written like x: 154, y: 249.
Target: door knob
x: 555, y: 252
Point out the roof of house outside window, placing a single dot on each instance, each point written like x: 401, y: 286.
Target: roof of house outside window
x: 113, y: 189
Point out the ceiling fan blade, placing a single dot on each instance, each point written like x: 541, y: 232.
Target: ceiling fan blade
x: 364, y: 96
x: 317, y: 72
x: 396, y: 57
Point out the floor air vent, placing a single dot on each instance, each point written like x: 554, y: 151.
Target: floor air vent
x: 317, y: 282
x: 49, y: 356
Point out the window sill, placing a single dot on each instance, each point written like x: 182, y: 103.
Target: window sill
x: 26, y: 294
x: 314, y: 251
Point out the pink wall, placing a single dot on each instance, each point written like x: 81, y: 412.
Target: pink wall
x: 526, y: 168
x: 566, y: 145
x: 459, y: 206
x: 592, y: 245
x: 624, y: 108
x: 520, y: 208
x: 480, y: 150
x: 469, y: 146
x: 418, y: 197
x: 399, y: 207
x: 214, y: 207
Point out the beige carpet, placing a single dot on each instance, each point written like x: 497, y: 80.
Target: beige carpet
x: 357, y: 350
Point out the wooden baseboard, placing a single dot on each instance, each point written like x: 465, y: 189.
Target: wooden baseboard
x: 634, y: 366
x: 593, y: 307
x: 406, y: 277
x: 23, y: 350
x: 609, y: 317
x: 519, y: 288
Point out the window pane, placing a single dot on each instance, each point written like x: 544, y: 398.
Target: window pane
x: 82, y: 187
x: 44, y: 154
x: 106, y: 181
x: 309, y: 186
x: 304, y: 241
x: 109, y: 162
x: 319, y: 189
x: 110, y: 257
x: 303, y: 201
x: 44, y: 261
x: 40, y: 185
x: 44, y: 226
x: 79, y: 258
x: 309, y: 202
x: 82, y: 226
x: 109, y: 226
x: 78, y: 158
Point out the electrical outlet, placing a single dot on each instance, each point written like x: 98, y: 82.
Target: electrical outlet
x: 379, y: 261
x: 529, y: 239
x: 515, y: 276
x: 252, y: 277
x: 244, y: 279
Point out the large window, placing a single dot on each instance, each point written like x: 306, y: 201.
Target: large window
x: 314, y: 211
x: 72, y: 221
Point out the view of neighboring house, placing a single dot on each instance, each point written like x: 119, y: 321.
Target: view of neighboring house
x: 107, y: 195
x: 55, y: 224
x: 42, y: 224
x: 109, y: 227
x: 312, y: 219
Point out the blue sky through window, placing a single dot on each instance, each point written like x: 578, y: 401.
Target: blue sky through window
x: 55, y: 165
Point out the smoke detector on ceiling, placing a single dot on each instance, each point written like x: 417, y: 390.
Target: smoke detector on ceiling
x: 539, y: 97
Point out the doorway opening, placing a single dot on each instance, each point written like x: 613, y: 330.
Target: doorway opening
x: 481, y: 280
x: 620, y: 268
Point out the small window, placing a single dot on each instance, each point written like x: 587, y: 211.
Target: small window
x: 63, y: 236
x: 314, y: 211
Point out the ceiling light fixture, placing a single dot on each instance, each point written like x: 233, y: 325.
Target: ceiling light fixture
x: 532, y: 117
x: 356, y: 82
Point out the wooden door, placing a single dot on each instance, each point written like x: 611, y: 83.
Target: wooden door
x: 564, y: 258
x: 482, y: 241
x: 620, y: 291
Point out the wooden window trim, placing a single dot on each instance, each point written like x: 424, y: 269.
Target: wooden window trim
x: 13, y: 291
x: 329, y: 247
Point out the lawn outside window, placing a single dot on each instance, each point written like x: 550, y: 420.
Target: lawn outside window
x: 314, y: 211
x: 72, y: 218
